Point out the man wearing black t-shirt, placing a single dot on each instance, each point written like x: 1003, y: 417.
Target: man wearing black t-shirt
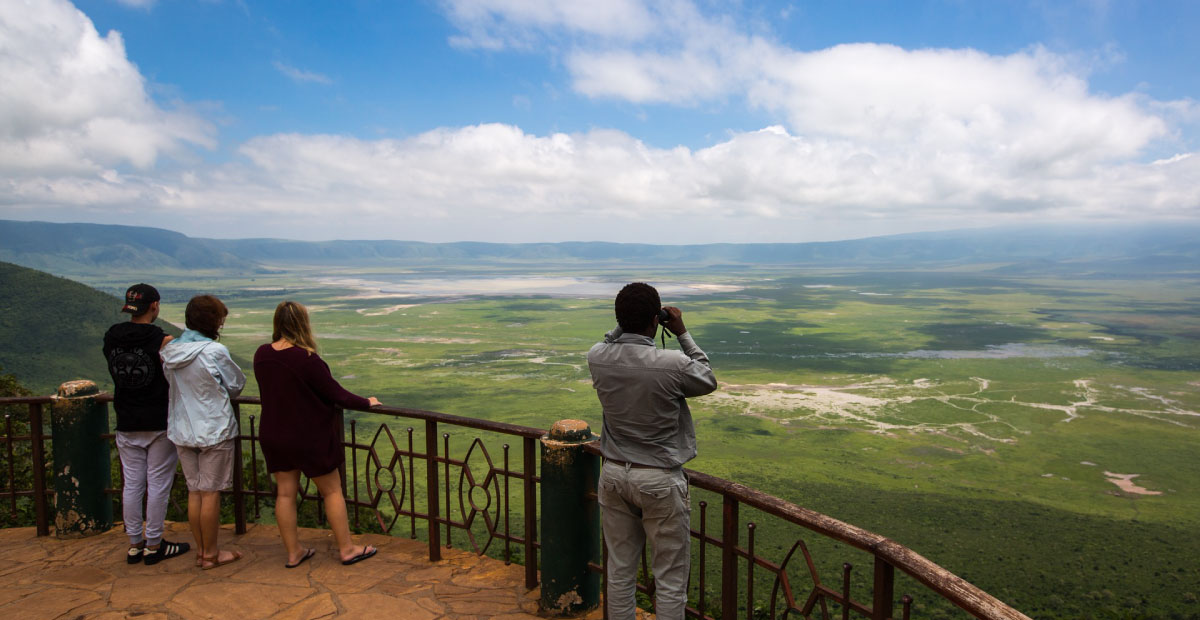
x: 140, y: 396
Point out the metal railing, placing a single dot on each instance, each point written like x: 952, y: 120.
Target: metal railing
x: 34, y: 439
x: 398, y: 484
x: 390, y: 474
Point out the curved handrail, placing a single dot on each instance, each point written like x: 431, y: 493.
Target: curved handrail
x: 436, y: 416
x: 950, y: 586
x: 399, y: 412
x: 29, y: 400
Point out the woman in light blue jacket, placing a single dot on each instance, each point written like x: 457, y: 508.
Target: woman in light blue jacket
x: 201, y: 422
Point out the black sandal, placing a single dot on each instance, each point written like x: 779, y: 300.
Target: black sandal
x: 166, y: 550
x: 367, y: 552
x: 308, y: 553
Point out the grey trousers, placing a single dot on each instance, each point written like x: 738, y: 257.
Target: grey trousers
x: 148, y: 461
x: 641, y: 505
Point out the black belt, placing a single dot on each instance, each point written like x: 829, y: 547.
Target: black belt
x: 634, y: 465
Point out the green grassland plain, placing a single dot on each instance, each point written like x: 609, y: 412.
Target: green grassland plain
x: 982, y: 420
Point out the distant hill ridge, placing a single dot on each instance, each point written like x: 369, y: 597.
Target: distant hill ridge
x: 72, y: 248
x: 65, y: 248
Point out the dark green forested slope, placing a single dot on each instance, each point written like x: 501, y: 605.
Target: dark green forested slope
x: 51, y: 328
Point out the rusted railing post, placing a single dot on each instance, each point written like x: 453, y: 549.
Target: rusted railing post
x: 82, y: 465
x: 12, y: 476
x: 354, y: 469
x: 340, y: 417
x: 431, y: 491
x: 38, y: 447
x: 570, y: 521
x: 846, y: 568
x: 885, y: 578
x: 529, y: 488
x: 254, y: 468
x: 750, y: 570
x: 729, y: 564
x: 239, y: 493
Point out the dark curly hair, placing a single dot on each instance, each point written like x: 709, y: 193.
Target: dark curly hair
x: 205, y: 314
x: 637, y: 304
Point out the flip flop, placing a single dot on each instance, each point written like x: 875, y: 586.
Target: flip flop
x: 215, y: 561
x: 367, y: 552
x: 308, y: 553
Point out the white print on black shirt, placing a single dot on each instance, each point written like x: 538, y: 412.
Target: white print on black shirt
x: 131, y: 368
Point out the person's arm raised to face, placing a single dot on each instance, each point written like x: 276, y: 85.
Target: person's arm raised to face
x: 698, y: 377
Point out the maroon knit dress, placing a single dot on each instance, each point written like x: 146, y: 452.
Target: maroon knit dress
x: 299, y: 426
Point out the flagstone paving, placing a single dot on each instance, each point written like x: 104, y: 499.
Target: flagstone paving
x: 90, y: 579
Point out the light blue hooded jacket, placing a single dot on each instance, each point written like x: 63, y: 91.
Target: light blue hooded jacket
x: 203, y: 378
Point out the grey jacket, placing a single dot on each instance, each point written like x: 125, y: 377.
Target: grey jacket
x: 642, y: 392
x: 203, y: 378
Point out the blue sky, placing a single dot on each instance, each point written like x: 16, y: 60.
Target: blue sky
x: 674, y: 121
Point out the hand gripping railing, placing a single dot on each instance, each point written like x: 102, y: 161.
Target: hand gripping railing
x: 471, y: 495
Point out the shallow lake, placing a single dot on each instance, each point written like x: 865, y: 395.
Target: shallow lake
x: 991, y: 352
x: 504, y: 286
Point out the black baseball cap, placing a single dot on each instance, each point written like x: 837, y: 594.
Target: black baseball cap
x: 138, y: 298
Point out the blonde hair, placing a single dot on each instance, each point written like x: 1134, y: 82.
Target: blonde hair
x: 291, y: 324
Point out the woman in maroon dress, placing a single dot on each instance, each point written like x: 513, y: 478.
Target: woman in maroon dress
x: 300, y: 430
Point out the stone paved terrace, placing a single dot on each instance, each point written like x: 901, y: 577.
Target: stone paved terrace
x: 89, y: 579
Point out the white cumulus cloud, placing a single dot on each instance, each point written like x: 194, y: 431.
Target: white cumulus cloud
x: 868, y: 138
x: 72, y: 102
x: 879, y: 128
x: 489, y: 174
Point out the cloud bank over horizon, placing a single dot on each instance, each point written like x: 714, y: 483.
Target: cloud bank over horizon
x: 866, y: 137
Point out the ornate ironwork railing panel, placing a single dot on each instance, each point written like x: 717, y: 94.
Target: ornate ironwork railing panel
x: 795, y: 583
x: 467, y: 487
x: 457, y: 486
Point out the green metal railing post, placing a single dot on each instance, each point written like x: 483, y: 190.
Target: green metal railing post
x: 82, y: 465
x: 570, y: 520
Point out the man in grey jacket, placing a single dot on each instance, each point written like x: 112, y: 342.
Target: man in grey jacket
x: 647, y: 437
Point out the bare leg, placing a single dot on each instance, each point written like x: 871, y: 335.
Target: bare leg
x: 210, y: 521
x: 330, y: 486
x: 287, y: 485
x: 210, y: 527
x: 195, y: 504
x: 210, y: 524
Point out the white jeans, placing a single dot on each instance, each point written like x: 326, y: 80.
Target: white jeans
x: 148, y: 461
x: 641, y: 505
